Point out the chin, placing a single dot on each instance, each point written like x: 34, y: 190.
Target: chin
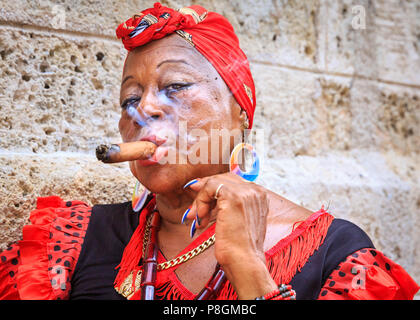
x: 159, y: 178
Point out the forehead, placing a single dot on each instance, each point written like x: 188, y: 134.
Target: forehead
x: 171, y: 47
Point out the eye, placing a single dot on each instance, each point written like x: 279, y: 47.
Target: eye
x: 130, y: 102
x: 175, y: 87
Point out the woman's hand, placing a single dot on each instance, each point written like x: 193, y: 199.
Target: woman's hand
x: 240, y: 210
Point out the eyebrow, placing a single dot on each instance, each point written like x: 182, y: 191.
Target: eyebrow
x: 172, y: 61
x: 158, y: 66
x: 126, y: 78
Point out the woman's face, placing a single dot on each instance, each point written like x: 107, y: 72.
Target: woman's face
x: 171, y: 95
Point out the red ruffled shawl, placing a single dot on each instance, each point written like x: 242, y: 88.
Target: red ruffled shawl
x: 40, y: 266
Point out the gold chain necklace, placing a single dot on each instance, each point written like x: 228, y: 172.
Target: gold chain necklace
x: 126, y: 288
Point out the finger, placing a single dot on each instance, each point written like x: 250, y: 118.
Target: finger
x: 195, y: 184
x: 205, y: 203
x: 203, y: 200
x: 198, y: 183
x: 202, y: 210
x: 210, y: 216
x: 211, y: 184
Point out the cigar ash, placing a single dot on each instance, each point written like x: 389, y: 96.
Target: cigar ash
x: 103, y: 151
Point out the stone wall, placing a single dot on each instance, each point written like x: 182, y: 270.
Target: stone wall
x: 338, y: 94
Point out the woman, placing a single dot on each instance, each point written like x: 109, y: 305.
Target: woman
x: 186, y: 66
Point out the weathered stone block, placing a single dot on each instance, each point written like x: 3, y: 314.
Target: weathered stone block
x: 374, y: 39
x: 267, y: 31
x: 399, y: 120
x: 71, y: 176
x: 303, y: 113
x: 284, y: 109
x: 58, y: 93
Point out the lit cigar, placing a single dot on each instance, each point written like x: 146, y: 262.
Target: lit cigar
x: 137, y: 150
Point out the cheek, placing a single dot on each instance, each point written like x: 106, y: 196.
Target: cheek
x: 208, y: 109
x: 127, y: 129
x: 221, y: 106
x: 122, y: 127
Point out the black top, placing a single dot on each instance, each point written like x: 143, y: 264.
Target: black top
x: 111, y: 226
x: 109, y: 231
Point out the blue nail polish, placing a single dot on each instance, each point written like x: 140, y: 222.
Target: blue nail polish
x: 192, y: 230
x: 184, y: 217
x: 190, y: 183
x: 197, y: 218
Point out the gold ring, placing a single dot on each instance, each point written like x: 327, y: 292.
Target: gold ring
x: 216, y: 195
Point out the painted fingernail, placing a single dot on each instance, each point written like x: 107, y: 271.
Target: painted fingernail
x: 190, y: 183
x: 197, y: 218
x: 184, y: 217
x: 192, y: 230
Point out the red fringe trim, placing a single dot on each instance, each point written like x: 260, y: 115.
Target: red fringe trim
x: 134, y: 249
x: 283, y: 260
x: 227, y: 292
x: 169, y: 292
x: 290, y: 254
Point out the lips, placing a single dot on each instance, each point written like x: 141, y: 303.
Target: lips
x: 155, y: 139
x: 160, y: 152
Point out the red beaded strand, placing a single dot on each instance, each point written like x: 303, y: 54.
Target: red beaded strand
x: 213, y: 287
x: 283, y: 292
x: 148, y: 276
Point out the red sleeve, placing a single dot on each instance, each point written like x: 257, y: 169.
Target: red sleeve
x: 9, y: 261
x: 40, y: 266
x: 368, y: 274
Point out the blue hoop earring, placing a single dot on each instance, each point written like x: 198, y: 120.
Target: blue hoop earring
x: 234, y: 167
x: 139, y: 196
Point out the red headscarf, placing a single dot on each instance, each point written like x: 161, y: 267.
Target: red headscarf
x: 210, y: 33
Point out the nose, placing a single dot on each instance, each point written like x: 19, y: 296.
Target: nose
x: 152, y: 112
x: 149, y: 108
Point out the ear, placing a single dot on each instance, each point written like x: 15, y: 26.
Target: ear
x: 243, y: 118
x: 239, y: 115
